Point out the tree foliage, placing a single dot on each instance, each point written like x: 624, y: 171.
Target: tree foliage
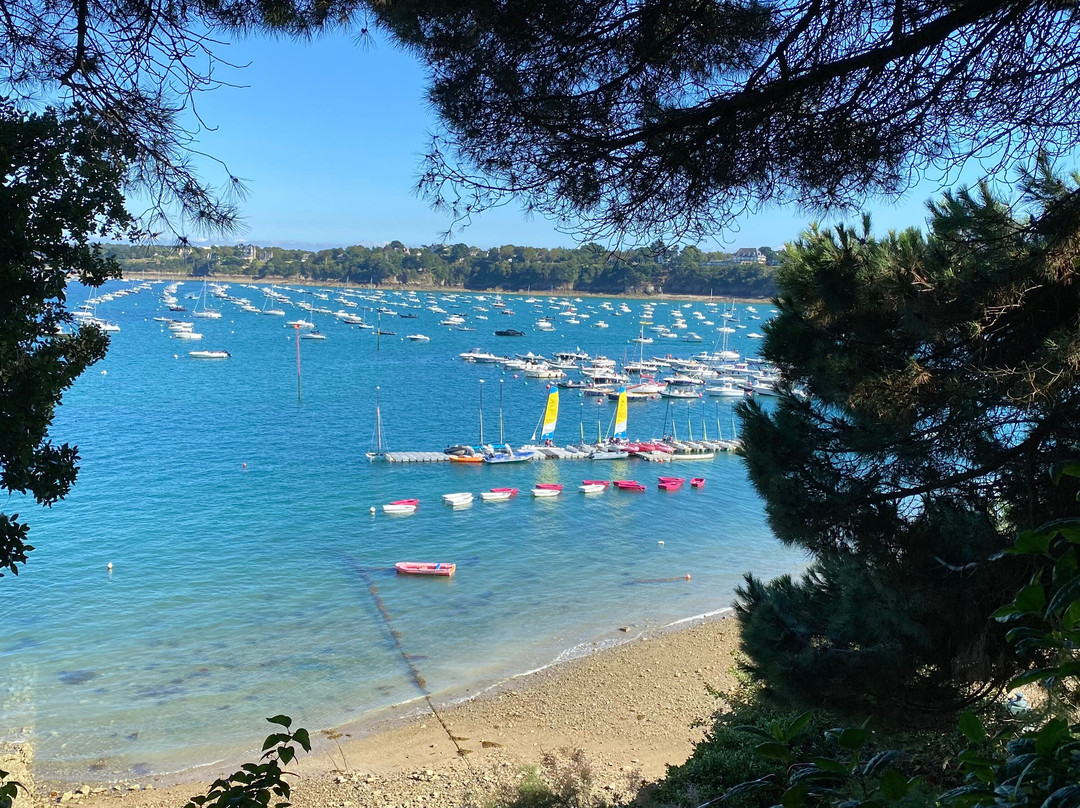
x: 939, y: 381
x: 61, y: 191
x: 647, y: 118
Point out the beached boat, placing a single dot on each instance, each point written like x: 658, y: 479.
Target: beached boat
x: 458, y: 500
x: 442, y: 569
x: 209, y: 354
x: 401, y: 506
x: 697, y: 482
x: 628, y: 485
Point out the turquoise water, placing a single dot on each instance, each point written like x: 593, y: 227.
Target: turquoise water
x: 244, y: 553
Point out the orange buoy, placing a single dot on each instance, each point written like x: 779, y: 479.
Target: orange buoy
x: 688, y: 576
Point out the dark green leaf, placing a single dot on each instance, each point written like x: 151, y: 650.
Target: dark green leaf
x: 893, y: 784
x: 972, y: 727
x: 851, y: 738
x: 283, y: 720
x: 773, y: 750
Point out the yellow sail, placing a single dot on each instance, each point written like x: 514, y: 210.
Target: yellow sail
x: 551, y: 415
x: 620, y: 415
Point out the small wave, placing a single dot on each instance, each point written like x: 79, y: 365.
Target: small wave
x: 699, y: 617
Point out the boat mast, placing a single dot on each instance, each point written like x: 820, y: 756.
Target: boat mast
x: 501, y: 441
x: 481, y: 412
x: 378, y: 430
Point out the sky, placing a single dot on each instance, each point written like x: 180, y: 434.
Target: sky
x: 328, y: 136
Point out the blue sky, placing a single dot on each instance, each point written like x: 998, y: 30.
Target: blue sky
x: 328, y: 137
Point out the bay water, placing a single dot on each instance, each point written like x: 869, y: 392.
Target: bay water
x: 249, y: 575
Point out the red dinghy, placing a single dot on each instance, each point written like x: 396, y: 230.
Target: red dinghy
x: 425, y: 568
x: 604, y: 483
x: 405, y: 502
x: 697, y: 482
x: 669, y: 485
x: 511, y: 491
x: 679, y: 480
x: 550, y: 486
x: 629, y: 485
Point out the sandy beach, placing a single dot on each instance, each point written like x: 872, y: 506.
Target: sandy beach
x: 632, y: 710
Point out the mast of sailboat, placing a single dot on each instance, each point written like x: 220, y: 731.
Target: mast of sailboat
x: 581, y: 423
x: 704, y: 429
x: 378, y: 430
x: 501, y: 441
x: 297, y: 329
x: 689, y: 429
x: 481, y: 412
x: 719, y: 431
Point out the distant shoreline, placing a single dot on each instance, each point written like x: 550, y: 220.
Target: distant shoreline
x: 269, y: 281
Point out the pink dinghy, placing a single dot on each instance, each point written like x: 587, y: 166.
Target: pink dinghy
x: 401, y: 507
x: 669, y: 485
x: 604, y: 483
x: 549, y: 486
x: 511, y: 491
x: 425, y: 568
x: 697, y: 482
x: 629, y: 485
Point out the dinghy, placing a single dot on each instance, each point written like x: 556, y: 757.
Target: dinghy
x: 401, y: 506
x: 458, y: 500
x: 425, y: 568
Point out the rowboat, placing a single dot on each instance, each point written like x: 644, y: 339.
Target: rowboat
x: 629, y: 485
x: 425, y: 568
x: 495, y: 496
x: 697, y: 482
x: 591, y: 488
x: 511, y: 491
x: 546, y: 492
x: 402, y: 506
x: 552, y: 486
x: 457, y: 500
x: 670, y: 484
x: 604, y: 483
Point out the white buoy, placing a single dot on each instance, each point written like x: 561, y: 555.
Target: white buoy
x: 372, y: 510
x: 109, y: 566
x: 661, y: 543
x: 104, y: 373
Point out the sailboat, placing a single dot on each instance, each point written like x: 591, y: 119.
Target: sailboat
x: 551, y: 417
x: 200, y: 309
x: 379, y: 453
x: 615, y: 451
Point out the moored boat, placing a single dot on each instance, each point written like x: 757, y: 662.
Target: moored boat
x: 209, y: 354
x: 629, y: 485
x: 546, y: 492
x: 591, y: 488
x: 425, y: 568
x: 456, y: 500
x: 495, y: 496
x: 697, y: 482
x: 401, y: 506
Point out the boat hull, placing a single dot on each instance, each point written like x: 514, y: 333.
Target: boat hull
x: 439, y: 569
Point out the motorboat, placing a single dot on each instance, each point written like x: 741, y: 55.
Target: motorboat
x: 509, y: 332
x: 313, y: 334
x: 209, y: 354
x: 442, y: 569
x: 418, y: 338
x: 457, y: 500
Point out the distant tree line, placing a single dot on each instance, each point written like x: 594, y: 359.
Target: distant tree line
x: 589, y: 268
